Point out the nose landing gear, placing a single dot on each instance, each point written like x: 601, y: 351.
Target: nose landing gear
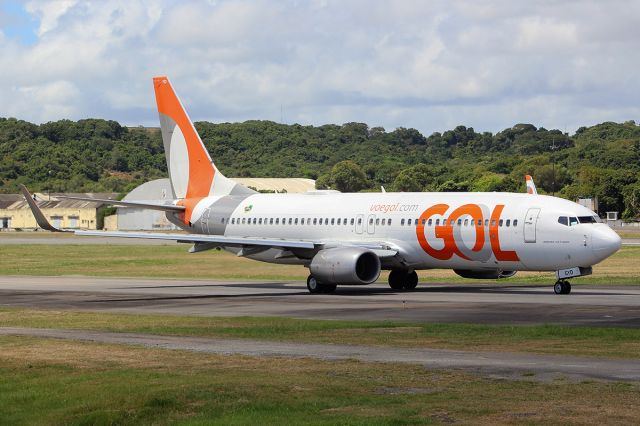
x: 562, y: 287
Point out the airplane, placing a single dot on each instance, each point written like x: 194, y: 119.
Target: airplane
x: 349, y: 238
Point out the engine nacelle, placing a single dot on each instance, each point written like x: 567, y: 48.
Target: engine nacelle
x: 345, y: 265
x: 484, y: 274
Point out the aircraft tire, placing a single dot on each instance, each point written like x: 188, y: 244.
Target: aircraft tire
x: 396, y: 279
x: 313, y: 285
x: 558, y: 287
x: 411, y: 281
x: 328, y: 288
x: 562, y: 287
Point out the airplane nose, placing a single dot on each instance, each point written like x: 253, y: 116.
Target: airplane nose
x: 605, y: 241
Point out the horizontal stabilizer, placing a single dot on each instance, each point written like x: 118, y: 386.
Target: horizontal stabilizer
x: 132, y: 204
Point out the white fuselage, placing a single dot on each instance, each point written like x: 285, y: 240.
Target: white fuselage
x: 471, y: 231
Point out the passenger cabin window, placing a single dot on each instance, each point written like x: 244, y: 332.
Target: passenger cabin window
x: 352, y: 221
x: 508, y: 222
x: 515, y: 222
x: 402, y: 222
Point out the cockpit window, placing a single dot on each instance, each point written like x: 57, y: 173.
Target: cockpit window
x: 587, y: 219
x: 573, y: 221
x: 563, y: 220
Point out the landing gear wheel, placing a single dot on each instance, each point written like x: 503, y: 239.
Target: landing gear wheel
x: 313, y: 285
x: 567, y: 288
x: 411, y: 281
x: 328, y: 288
x: 562, y: 287
x: 403, y: 280
x: 396, y: 279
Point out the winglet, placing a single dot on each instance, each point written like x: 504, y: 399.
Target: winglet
x: 531, y: 187
x: 37, y: 213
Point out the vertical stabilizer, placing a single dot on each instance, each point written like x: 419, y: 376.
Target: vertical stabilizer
x: 531, y: 187
x: 192, y: 173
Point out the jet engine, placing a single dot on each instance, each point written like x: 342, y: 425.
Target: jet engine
x: 484, y: 274
x: 345, y: 265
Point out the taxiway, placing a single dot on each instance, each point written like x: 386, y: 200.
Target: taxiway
x: 608, y: 305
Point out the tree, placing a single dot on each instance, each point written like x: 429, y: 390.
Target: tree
x: 415, y: 178
x: 451, y: 186
x: 406, y: 182
x: 631, y: 201
x: 347, y: 176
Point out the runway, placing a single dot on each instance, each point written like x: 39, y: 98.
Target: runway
x: 477, y: 303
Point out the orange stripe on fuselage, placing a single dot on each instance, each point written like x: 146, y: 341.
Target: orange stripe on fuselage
x: 201, y: 171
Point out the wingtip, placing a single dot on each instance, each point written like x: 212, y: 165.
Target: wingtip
x: 41, y: 220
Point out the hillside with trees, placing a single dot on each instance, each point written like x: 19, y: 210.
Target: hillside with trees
x: 96, y: 155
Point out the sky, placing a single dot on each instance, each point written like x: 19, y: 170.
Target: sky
x: 429, y: 65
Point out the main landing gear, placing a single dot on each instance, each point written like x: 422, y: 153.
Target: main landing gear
x: 562, y: 287
x: 400, y: 279
x: 315, y: 287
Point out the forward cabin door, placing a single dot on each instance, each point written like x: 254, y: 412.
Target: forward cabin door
x: 530, y: 221
x: 371, y: 224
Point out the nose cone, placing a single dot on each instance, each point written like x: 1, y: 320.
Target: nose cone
x: 605, y: 242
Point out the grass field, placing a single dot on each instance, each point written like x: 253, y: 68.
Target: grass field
x: 48, y: 382
x: 175, y: 262
x: 61, y: 382
x: 548, y: 339
x: 629, y: 233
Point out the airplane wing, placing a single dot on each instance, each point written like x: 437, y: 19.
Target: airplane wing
x: 381, y: 249
x: 202, y: 238
x: 139, y: 204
